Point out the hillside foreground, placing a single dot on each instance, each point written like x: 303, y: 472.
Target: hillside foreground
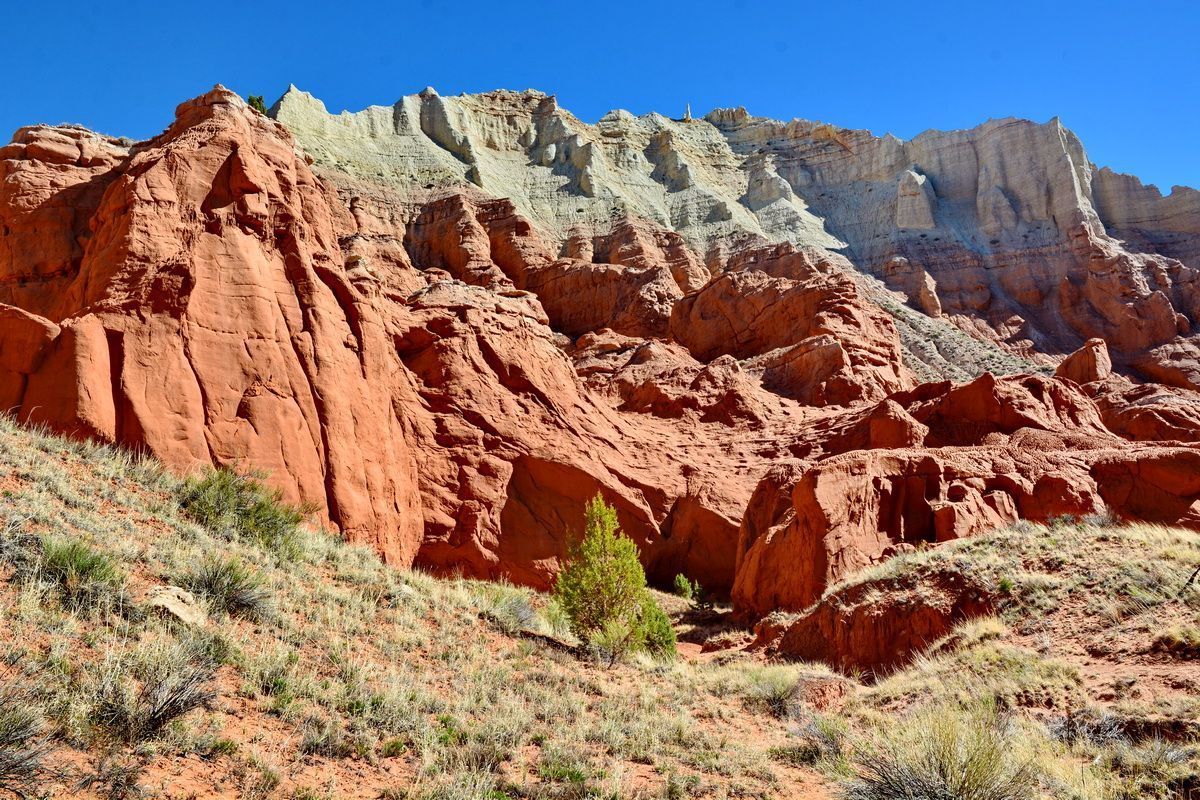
x: 329, y: 674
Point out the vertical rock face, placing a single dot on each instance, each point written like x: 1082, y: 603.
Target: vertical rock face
x: 915, y: 202
x: 1015, y: 228
x: 202, y: 311
x: 450, y: 322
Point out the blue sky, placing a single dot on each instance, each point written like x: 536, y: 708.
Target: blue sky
x: 1124, y: 76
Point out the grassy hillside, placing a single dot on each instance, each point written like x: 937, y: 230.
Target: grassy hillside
x: 316, y: 672
x: 1087, y: 679
x: 320, y: 672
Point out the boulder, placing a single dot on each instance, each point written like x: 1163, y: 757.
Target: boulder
x: 178, y: 604
x: 1088, y: 364
x: 875, y: 627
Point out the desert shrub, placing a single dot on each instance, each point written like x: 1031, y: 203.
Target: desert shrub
x: 773, y: 689
x: 815, y: 738
x: 945, y: 752
x: 1182, y: 641
x: 229, y: 586
x: 242, y: 507
x: 1087, y: 726
x: 116, y: 776
x: 1155, y: 770
x: 394, y: 748
x: 693, y: 591
x: 138, y: 695
x: 555, y: 618
x: 216, y: 747
x: 23, y: 743
x: 658, y: 637
x: 322, y: 736
x: 508, y: 610
x: 257, y: 102
x: 84, y: 577
x: 602, y: 589
x: 274, y: 674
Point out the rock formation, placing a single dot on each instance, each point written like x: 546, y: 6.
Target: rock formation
x: 449, y: 323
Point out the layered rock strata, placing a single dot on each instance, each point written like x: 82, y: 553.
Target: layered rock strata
x: 449, y: 323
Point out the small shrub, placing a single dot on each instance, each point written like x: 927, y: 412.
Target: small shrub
x: 242, y: 507
x: 257, y: 102
x: 229, y: 586
x: 115, y: 777
x: 82, y: 575
x: 1156, y: 770
x: 508, y: 610
x: 449, y: 733
x: 394, y: 748
x: 945, y: 752
x: 23, y: 743
x: 135, y: 702
x: 818, y: 739
x: 555, y: 618
x: 659, y: 637
x: 274, y: 674
x: 1091, y: 727
x: 1183, y: 642
x: 560, y: 767
x: 773, y: 689
x: 321, y: 736
x: 602, y: 590
x: 220, y: 747
x: 257, y: 778
x: 683, y: 587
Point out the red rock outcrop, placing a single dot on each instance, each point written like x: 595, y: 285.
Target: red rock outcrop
x: 801, y: 323
x: 628, y: 282
x: 990, y: 452
x: 1088, y: 364
x: 219, y: 304
x: 877, y: 626
x: 450, y: 384
x: 1147, y: 412
x: 51, y: 182
x: 200, y: 309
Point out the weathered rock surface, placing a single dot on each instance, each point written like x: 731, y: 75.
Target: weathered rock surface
x: 1088, y: 364
x: 1006, y: 228
x: 800, y: 322
x: 450, y: 322
x: 951, y: 461
x: 877, y: 626
x: 202, y: 311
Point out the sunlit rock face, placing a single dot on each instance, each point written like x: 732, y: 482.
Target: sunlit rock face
x: 780, y: 350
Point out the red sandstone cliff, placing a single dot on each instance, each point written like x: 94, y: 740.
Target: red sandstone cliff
x: 447, y: 384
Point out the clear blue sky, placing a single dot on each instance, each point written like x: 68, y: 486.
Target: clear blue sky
x: 1125, y: 76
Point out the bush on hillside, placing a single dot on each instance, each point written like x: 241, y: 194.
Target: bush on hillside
x: 83, y: 576
x: 603, y: 591
x: 137, y: 697
x: 243, y: 507
x: 23, y: 743
x: 229, y: 586
x: 659, y: 637
x: 946, y: 752
x: 257, y: 103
